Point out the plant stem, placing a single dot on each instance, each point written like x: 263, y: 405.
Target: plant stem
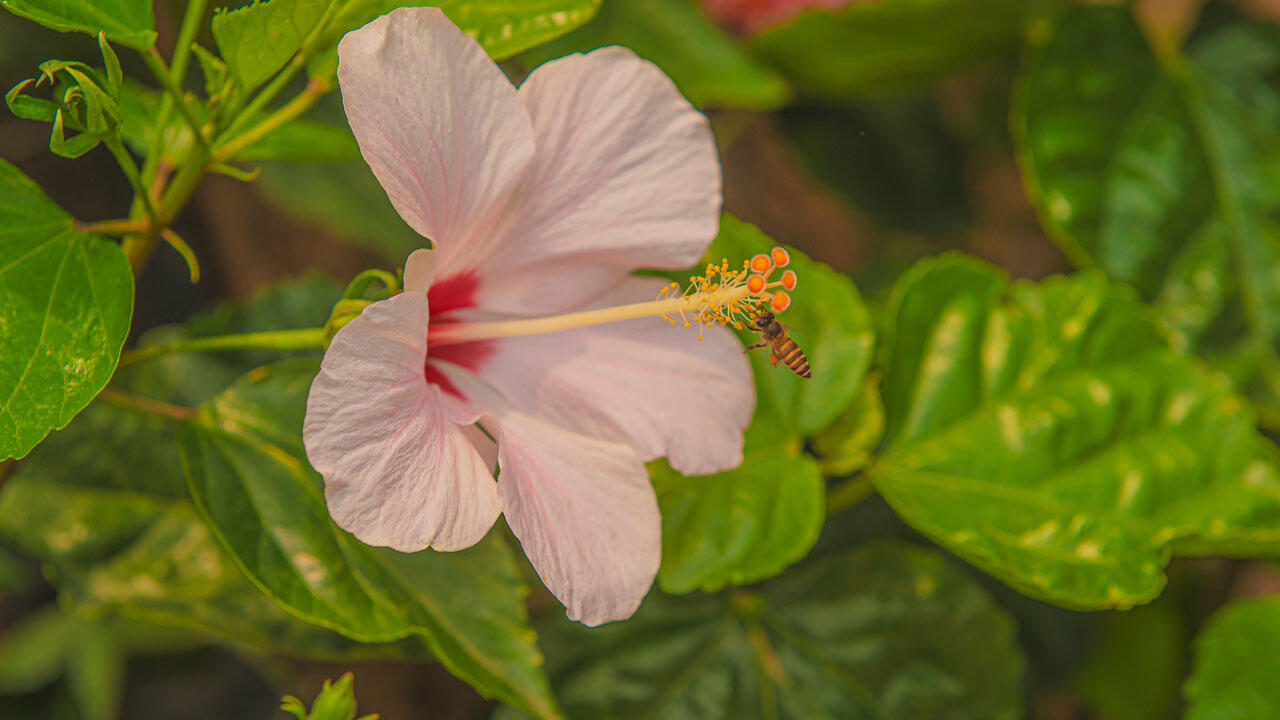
x: 156, y: 63
x: 147, y: 405
x: 137, y: 248
x: 114, y: 227
x: 191, y: 23
x: 299, y: 61
x: 290, y: 110
x: 130, y: 169
x: 304, y: 339
x: 847, y: 493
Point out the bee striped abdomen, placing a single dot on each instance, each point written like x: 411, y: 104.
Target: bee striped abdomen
x: 793, y: 357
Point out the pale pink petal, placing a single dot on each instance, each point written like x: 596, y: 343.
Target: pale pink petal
x: 625, y: 176
x: 583, y: 508
x: 443, y: 129
x: 420, y: 270
x: 640, y: 382
x: 397, y: 471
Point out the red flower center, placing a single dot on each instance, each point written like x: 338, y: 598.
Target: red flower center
x: 444, y: 298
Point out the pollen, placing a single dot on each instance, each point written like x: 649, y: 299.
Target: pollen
x: 729, y: 296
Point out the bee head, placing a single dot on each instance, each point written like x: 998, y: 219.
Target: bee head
x: 764, y: 320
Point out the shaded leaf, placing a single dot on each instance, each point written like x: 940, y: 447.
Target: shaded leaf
x: 1137, y: 664
x: 66, y: 299
x: 1236, y: 663
x: 1165, y: 175
x: 890, y: 44
x: 245, y: 468
x: 885, y: 631
x: 347, y: 199
x: 1048, y: 435
x: 708, y: 67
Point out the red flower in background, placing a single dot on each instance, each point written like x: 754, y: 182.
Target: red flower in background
x: 753, y: 16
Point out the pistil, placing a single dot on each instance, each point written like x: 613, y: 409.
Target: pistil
x: 719, y: 296
x: 685, y: 306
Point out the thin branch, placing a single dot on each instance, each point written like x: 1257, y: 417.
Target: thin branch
x: 305, y: 339
x: 848, y: 493
x: 147, y: 405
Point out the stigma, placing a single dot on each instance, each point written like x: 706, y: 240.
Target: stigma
x: 732, y: 296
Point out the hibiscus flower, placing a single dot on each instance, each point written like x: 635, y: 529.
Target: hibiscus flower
x: 521, y: 343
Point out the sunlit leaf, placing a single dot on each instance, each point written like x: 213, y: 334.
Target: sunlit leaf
x: 128, y: 22
x: 66, y: 299
x: 502, y: 27
x: 829, y: 321
x: 258, y: 39
x: 742, y: 525
x: 885, y: 631
x: 1048, y: 435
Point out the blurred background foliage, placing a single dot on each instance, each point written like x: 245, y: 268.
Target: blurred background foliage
x: 1139, y: 142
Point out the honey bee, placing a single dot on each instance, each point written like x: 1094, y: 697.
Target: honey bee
x: 780, y: 346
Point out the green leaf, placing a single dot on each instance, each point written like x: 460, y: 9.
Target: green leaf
x: 891, y: 44
x: 1048, y: 435
x: 66, y: 299
x: 245, y: 467
x: 95, y: 671
x: 710, y: 69
x: 103, y: 503
x: 502, y: 27
x: 743, y: 525
x: 751, y: 522
x: 258, y: 39
x: 1236, y: 664
x: 347, y: 199
x: 827, y: 318
x: 128, y: 22
x: 1137, y: 663
x: 305, y: 140
x: 190, y: 379
x: 33, y: 651
x: 1167, y: 175
x: 885, y: 631
x: 848, y: 444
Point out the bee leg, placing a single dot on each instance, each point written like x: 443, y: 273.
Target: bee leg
x: 773, y: 359
x: 757, y: 346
